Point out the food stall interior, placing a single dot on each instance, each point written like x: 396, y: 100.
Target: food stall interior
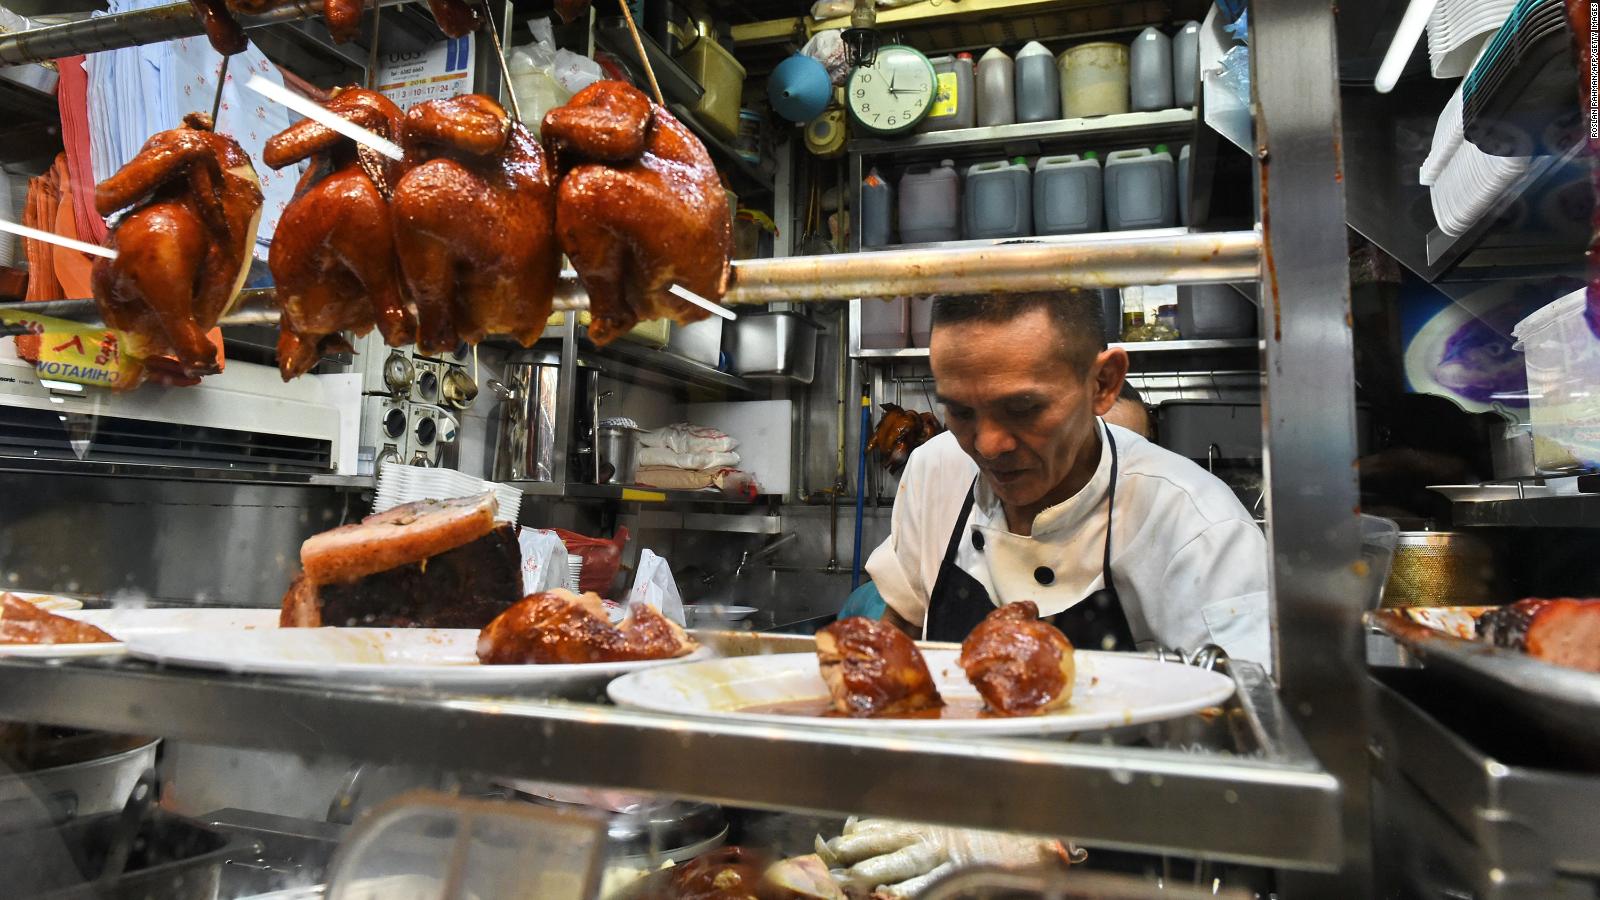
x: 1352, y: 283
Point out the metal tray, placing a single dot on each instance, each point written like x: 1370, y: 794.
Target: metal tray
x: 1555, y: 703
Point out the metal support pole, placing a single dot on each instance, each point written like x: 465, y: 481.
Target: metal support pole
x: 1309, y: 411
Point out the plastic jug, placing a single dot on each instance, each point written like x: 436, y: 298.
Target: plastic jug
x: 1038, y: 85
x: 997, y: 89
x: 999, y: 200
x: 930, y: 204
x: 884, y: 324
x: 1185, y: 63
x: 1140, y: 190
x: 1094, y: 80
x: 1066, y: 195
x: 956, y: 103
x: 1183, y: 185
x: 1150, y: 70
x: 877, y: 204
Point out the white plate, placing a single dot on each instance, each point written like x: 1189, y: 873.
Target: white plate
x: 48, y: 602
x: 1111, y: 690
x: 431, y: 657
x: 699, y: 613
x: 127, y: 623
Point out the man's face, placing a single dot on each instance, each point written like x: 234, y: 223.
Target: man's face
x: 1017, y: 405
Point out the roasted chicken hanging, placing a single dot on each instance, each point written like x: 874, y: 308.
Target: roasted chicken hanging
x: 899, y: 432
x: 640, y: 209
x: 872, y: 669
x: 562, y: 627
x: 343, y: 17
x: 473, y: 224
x: 1020, y: 664
x: 333, y: 257
x: 183, y: 250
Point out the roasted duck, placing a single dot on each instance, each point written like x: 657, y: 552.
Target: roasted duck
x: 562, y: 627
x: 333, y: 258
x: 1564, y: 632
x: 899, y: 432
x: 184, y: 247
x: 343, y: 17
x: 640, y: 208
x: 23, y: 623
x: 873, y: 669
x: 473, y: 224
x: 429, y: 564
x: 1020, y: 664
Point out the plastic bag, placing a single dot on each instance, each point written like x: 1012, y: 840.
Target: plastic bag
x: 544, y: 560
x: 601, y: 558
x: 1235, y: 72
x: 686, y: 438
x: 827, y: 47
x: 576, y: 72
x: 653, y: 585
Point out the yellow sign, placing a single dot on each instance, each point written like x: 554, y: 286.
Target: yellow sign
x: 944, y: 103
x: 71, y: 351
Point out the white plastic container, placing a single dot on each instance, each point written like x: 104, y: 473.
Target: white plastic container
x: 1066, y: 195
x: 1038, y: 84
x: 998, y: 202
x: 921, y: 311
x: 884, y: 325
x: 699, y: 341
x: 1183, y: 185
x: 997, y: 89
x: 1562, y: 356
x: 877, y: 211
x: 1150, y: 70
x: 1214, y: 311
x: 1186, y: 64
x: 930, y: 204
x: 956, y: 103
x: 1140, y: 190
x: 1094, y: 80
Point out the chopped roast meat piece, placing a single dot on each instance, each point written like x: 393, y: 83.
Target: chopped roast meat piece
x: 406, y: 534
x: 23, y: 623
x: 1564, y: 632
x: 561, y: 627
x: 462, y: 587
x: 800, y: 878
x: 873, y: 669
x: 1020, y: 664
x: 727, y: 873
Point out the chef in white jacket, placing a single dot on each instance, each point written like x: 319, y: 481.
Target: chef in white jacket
x: 1032, y: 496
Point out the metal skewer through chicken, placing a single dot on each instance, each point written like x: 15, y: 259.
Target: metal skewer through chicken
x: 640, y: 208
x: 183, y: 249
x: 333, y: 258
x: 473, y: 223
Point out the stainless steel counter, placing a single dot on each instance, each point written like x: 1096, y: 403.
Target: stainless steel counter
x: 1241, y: 786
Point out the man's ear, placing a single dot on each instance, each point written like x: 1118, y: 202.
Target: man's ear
x: 1107, y: 373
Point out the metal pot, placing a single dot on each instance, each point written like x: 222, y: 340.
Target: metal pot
x: 525, y: 442
x: 58, y: 778
x: 618, y: 448
x: 1440, y: 568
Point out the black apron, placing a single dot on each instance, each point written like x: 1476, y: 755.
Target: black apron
x: 959, y: 602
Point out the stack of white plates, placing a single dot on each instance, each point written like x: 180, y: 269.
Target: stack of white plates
x: 574, y: 571
x: 1464, y: 181
x: 1458, y: 30
x: 398, y: 484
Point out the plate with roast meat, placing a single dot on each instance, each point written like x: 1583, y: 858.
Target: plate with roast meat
x: 1015, y: 674
x: 29, y: 628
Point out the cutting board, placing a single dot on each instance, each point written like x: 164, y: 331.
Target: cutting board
x: 763, y: 429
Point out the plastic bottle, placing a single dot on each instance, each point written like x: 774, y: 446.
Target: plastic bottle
x: 1094, y: 80
x: 1038, y: 84
x: 1150, y: 70
x: 999, y: 199
x: 1185, y: 63
x: 997, y: 89
x: 1183, y: 185
x: 930, y: 204
x: 877, y: 204
x: 956, y: 104
x: 1066, y: 194
x: 1140, y: 190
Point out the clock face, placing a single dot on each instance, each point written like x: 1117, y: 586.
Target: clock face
x: 893, y: 94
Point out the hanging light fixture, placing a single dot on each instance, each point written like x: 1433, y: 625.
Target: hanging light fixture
x: 861, y: 39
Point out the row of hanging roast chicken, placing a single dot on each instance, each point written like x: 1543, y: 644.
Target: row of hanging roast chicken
x: 460, y: 239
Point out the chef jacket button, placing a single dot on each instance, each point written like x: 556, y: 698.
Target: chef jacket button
x: 977, y: 539
x: 1043, y: 575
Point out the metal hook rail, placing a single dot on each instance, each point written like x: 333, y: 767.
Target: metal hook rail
x: 1087, y: 261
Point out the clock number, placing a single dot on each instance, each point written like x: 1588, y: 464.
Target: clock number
x: 866, y: 77
x: 876, y: 117
x: 891, y: 120
x: 860, y: 92
x: 907, y: 113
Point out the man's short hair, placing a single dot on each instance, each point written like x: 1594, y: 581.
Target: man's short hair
x: 1075, y: 312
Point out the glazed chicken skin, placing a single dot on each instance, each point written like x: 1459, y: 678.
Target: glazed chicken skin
x: 899, y: 432
x: 183, y: 249
x: 1020, y: 664
x: 873, y: 669
x: 560, y: 627
x: 473, y: 223
x: 641, y: 208
x: 343, y: 18
x: 333, y: 258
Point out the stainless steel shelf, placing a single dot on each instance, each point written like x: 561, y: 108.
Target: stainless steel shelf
x: 1569, y: 511
x: 37, y: 465
x: 635, y: 494
x: 1124, y: 126
x: 1140, y: 348
x: 1264, y: 800
x: 638, y: 363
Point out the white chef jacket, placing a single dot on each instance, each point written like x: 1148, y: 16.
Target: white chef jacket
x: 1189, y: 563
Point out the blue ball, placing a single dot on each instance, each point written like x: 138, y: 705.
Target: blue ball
x: 799, y: 88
